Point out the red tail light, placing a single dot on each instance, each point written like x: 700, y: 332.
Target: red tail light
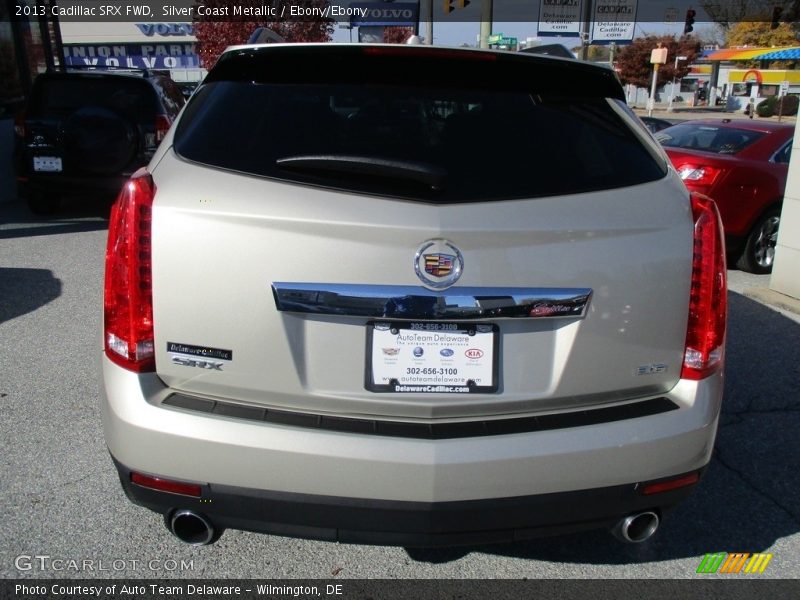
x: 19, y: 124
x: 699, y: 174
x: 128, y: 330
x: 705, y: 333
x: 162, y: 127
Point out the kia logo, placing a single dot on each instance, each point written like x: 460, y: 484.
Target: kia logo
x: 474, y: 353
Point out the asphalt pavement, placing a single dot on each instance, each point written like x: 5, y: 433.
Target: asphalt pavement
x: 61, y: 498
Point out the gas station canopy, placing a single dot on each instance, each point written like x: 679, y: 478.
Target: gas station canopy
x: 754, y: 54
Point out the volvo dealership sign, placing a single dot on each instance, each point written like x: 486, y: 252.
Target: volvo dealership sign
x: 141, y: 45
x: 166, y: 29
x: 387, y: 14
x: 134, y: 56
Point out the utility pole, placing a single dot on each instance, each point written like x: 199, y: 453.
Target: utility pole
x: 657, y: 57
x: 672, y: 91
x: 486, y: 22
x: 586, y: 25
x: 425, y: 14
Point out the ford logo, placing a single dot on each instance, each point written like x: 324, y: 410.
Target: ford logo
x: 418, y: 351
x: 446, y: 352
x: 473, y: 353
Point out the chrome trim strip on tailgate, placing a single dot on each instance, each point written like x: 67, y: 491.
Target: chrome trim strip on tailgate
x: 412, y: 302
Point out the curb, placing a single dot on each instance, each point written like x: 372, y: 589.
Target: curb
x: 773, y: 298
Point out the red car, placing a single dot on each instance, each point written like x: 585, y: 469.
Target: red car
x: 743, y: 166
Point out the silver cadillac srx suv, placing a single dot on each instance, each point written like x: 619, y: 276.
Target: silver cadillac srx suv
x: 412, y: 296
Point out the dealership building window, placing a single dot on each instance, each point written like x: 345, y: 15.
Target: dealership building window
x: 30, y: 43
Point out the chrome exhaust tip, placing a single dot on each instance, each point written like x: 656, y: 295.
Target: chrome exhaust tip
x: 191, y: 528
x: 636, y: 528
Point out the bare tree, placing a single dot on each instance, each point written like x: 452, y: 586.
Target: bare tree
x: 727, y: 13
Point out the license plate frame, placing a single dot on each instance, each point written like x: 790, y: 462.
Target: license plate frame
x: 444, y: 348
x: 47, y: 164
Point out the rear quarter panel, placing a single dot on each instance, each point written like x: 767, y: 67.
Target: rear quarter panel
x: 746, y: 188
x: 751, y: 187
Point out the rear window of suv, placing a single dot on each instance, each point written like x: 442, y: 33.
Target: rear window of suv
x: 709, y: 138
x: 61, y: 95
x: 422, y: 132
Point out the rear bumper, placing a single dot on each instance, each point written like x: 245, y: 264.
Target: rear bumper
x: 385, y: 522
x: 348, y: 486
x: 64, y: 185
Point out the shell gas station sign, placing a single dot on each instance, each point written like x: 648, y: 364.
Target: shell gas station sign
x: 764, y: 76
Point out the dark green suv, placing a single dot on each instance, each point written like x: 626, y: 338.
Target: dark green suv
x: 86, y: 131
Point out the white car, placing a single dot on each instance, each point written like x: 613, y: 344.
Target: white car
x: 340, y: 303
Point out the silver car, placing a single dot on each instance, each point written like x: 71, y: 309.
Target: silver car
x: 411, y: 296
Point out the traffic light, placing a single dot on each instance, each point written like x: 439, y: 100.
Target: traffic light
x: 688, y: 25
x: 448, y: 5
x: 776, y: 17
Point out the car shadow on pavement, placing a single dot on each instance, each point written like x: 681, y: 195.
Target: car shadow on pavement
x: 25, y: 290
x: 750, y: 496
x: 75, y: 216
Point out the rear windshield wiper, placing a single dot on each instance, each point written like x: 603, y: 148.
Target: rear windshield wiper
x: 410, y: 170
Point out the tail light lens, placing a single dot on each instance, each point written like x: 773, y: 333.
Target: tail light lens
x: 162, y: 127
x: 128, y: 291
x: 699, y: 174
x: 705, y: 334
x: 670, y: 484
x: 19, y: 124
x: 167, y: 485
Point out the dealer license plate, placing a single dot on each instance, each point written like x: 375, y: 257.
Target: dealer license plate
x: 50, y: 164
x: 419, y: 358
